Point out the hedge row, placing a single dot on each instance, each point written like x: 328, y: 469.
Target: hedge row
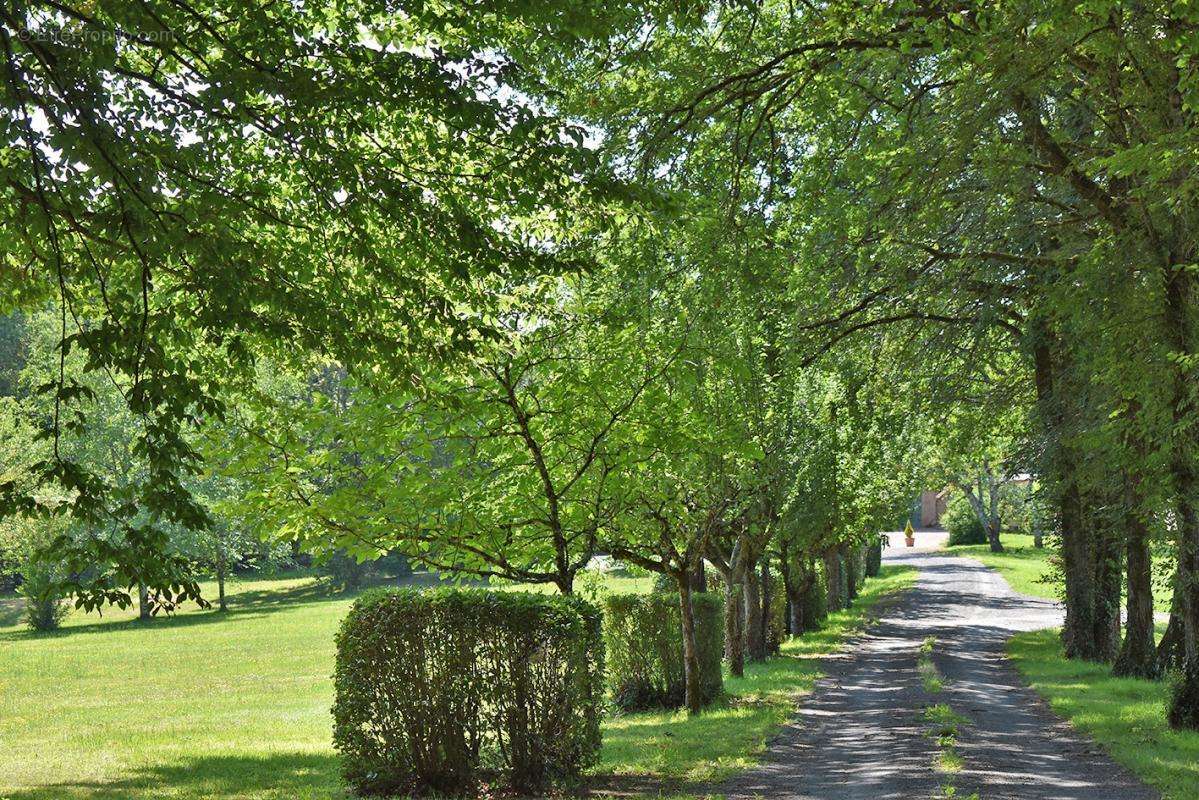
x: 644, y: 646
x: 439, y: 691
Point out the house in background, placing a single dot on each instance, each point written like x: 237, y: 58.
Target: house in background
x: 932, y: 504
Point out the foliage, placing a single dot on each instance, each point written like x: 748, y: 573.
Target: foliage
x: 963, y: 524
x: 1016, y: 507
x: 346, y: 573
x: 45, y: 605
x: 644, y: 648
x: 437, y: 690
x: 200, y: 184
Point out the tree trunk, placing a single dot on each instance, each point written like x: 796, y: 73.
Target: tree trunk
x: 691, y: 697
x: 734, y: 642
x: 1109, y: 574
x: 813, y: 599
x: 993, y: 535
x: 835, y: 580
x: 1078, y: 566
x: 874, y: 558
x: 771, y: 645
x: 699, y: 579
x: 798, y: 582
x: 795, y: 621
x: 755, y: 644
x: 993, y: 521
x: 1138, y: 653
x: 220, y: 584
x: 1184, y: 707
x: 1077, y: 556
x: 143, y: 602
x: 1169, y: 649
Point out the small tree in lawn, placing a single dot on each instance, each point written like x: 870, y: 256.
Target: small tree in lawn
x: 692, y: 459
x: 501, y: 465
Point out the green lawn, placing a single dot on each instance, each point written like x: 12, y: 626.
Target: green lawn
x: 222, y: 706
x: 1127, y: 716
x: 1026, y: 568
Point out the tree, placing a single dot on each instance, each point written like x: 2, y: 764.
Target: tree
x: 197, y: 185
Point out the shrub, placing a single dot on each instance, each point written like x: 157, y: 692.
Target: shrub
x: 962, y: 523
x: 45, y: 605
x: 643, y: 638
x: 439, y: 690
x: 346, y: 573
x: 1016, y: 507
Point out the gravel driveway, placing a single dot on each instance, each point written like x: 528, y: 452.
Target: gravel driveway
x: 861, y: 733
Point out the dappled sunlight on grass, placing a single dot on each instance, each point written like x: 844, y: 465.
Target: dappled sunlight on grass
x: 1127, y: 716
x: 672, y: 747
x: 236, y: 706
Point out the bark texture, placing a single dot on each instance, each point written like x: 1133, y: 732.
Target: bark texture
x: 691, y: 698
x: 1138, y: 652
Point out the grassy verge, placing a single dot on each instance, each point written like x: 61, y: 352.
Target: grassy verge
x: 236, y: 706
x: 670, y: 748
x: 1027, y: 568
x: 1023, y: 566
x: 1125, y: 715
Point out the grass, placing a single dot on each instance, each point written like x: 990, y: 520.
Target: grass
x: 929, y: 676
x: 1023, y: 566
x: 671, y: 747
x: 236, y: 706
x: 1027, y: 569
x: 1127, y: 716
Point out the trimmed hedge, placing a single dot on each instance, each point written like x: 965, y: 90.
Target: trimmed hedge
x: 643, y: 638
x: 440, y: 690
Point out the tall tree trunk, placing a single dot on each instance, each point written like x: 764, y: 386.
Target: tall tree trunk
x: 691, y: 677
x: 734, y: 641
x: 799, y: 580
x: 755, y: 645
x: 699, y: 578
x: 1169, y: 649
x: 849, y: 557
x: 1109, y: 579
x: 1138, y: 652
x: 835, y: 580
x: 143, y: 602
x: 1184, y: 707
x: 813, y: 599
x: 993, y: 521
x: 1058, y: 468
x: 770, y: 643
x: 787, y: 570
x: 221, y: 565
x: 874, y: 557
